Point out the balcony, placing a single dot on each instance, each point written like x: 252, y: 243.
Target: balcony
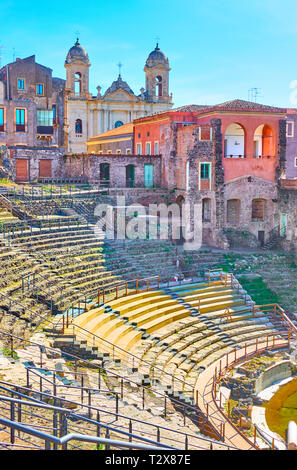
x: 45, y: 130
x: 234, y: 156
x: 20, y: 128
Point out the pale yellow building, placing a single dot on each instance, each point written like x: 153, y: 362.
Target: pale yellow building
x: 88, y: 116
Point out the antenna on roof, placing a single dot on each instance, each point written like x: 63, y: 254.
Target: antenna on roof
x: 254, y: 93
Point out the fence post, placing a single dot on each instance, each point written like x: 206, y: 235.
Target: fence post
x: 82, y: 389
x: 12, y: 415
x: 11, y: 347
x: 89, y: 403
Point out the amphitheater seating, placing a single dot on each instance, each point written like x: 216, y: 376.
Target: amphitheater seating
x: 157, y: 327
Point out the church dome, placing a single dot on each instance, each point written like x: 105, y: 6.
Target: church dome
x: 117, y: 85
x: 156, y: 57
x: 77, y: 52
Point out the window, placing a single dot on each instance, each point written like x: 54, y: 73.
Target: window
x: 156, y: 148
x: 39, y: 89
x: 205, y: 133
x: 20, y: 120
x: 21, y: 84
x: 78, y: 126
x: 138, y: 149
x: 233, y: 211
x: 44, y: 117
x: 1, y: 119
x: 290, y: 129
x: 128, y: 151
x: 55, y: 121
x: 295, y: 157
x: 119, y: 151
x: 234, y: 141
x: 148, y: 148
x: 109, y: 152
x: 118, y: 124
x: 264, y: 142
x: 159, y: 87
x: 258, y: 208
x: 204, y: 171
x: 77, y: 83
x: 148, y: 134
x: 139, y: 135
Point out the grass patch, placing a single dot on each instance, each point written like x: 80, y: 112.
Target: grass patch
x: 259, y: 291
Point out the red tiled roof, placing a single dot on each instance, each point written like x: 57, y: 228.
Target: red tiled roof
x: 242, y: 105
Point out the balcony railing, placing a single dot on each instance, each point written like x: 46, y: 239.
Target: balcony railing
x: 263, y: 156
x: 235, y: 156
x: 20, y: 128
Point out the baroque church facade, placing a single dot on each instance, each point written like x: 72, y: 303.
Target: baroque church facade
x: 87, y: 116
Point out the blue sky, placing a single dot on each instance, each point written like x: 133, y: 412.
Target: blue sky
x: 217, y: 50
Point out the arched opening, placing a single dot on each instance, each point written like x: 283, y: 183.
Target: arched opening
x: 77, y: 83
x: 258, y: 209
x: 159, y: 86
x: 264, y: 143
x: 130, y: 176
x: 234, y: 143
x: 233, y: 211
x: 118, y: 124
x: 206, y: 210
x: 104, y: 174
x: 78, y: 126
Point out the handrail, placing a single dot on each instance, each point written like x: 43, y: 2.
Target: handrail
x: 39, y: 404
x: 221, y: 372
x: 175, y: 401
x: 32, y: 312
x: 102, y: 293
x: 112, y: 413
x: 48, y: 438
x: 276, y: 309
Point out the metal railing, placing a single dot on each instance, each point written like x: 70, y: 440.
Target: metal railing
x: 226, y: 363
x: 277, y: 311
x: 154, y: 431
x: 60, y: 416
x: 117, y: 291
x: 193, y: 412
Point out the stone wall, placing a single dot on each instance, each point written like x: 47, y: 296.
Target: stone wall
x: 87, y: 166
x: 244, y: 190
x: 279, y: 371
x: 34, y: 155
x: 287, y: 205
